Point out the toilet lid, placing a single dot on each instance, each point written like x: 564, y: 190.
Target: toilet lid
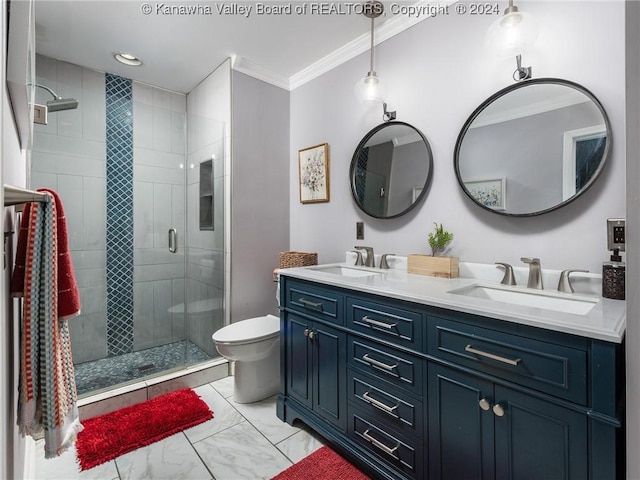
x: 250, y: 330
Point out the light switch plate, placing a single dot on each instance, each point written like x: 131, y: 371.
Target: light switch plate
x: 616, y: 234
x: 359, y: 230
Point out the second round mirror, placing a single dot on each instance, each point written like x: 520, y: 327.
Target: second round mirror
x: 391, y: 170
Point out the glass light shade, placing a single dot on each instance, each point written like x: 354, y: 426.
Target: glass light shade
x: 511, y: 34
x: 370, y: 89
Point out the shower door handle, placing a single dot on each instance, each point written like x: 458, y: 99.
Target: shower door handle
x: 173, y: 240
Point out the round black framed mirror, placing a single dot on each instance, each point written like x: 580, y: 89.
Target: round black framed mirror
x: 391, y: 170
x: 532, y: 147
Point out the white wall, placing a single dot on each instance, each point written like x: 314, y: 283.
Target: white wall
x: 260, y: 194
x: 13, y: 448
x: 438, y: 72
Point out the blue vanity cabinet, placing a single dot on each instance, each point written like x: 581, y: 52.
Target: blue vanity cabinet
x: 315, y: 355
x: 499, y: 432
x: 315, y: 368
x: 521, y: 402
x: 409, y: 391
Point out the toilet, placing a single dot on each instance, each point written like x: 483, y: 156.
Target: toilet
x: 254, y: 345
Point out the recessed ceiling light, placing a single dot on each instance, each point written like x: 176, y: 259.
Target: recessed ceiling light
x: 127, y: 59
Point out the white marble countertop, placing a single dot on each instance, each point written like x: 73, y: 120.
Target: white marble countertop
x: 605, y: 321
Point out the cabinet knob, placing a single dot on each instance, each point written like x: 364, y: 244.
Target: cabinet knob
x: 484, y: 404
x: 309, y: 333
x: 498, y: 410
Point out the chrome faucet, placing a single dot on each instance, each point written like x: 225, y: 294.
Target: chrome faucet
x: 371, y: 261
x: 383, y: 261
x: 535, y: 272
x: 564, y: 284
x: 509, y: 278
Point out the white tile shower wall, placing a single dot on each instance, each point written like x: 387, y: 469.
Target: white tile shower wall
x: 208, y: 108
x: 69, y: 156
x: 159, y: 168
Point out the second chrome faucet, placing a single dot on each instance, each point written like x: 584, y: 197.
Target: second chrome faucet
x: 535, y: 272
x: 371, y: 260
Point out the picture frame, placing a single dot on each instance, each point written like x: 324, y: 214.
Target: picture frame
x: 313, y: 173
x: 492, y: 193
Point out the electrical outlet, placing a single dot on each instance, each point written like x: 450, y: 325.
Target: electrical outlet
x: 616, y: 234
x: 359, y: 230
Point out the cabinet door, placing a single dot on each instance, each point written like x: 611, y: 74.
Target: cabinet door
x: 330, y: 373
x: 298, y: 359
x: 460, y: 425
x: 538, y: 439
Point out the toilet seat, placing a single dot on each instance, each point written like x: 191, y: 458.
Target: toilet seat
x: 248, y: 331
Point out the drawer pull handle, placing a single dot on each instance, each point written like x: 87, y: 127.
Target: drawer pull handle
x: 377, y: 323
x: 378, y: 403
x: 377, y: 363
x: 492, y: 356
x: 388, y: 450
x: 307, y: 303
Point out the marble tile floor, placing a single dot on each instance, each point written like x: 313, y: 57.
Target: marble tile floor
x: 241, y: 442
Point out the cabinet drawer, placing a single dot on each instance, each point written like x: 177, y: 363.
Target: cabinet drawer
x: 399, y: 368
x: 551, y: 368
x: 403, y: 454
x: 403, y: 327
x: 385, y: 403
x: 324, y: 304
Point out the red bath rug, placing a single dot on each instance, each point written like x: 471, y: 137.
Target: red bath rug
x: 113, y: 434
x: 323, y: 464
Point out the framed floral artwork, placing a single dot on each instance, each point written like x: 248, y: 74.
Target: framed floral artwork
x: 490, y: 193
x: 313, y: 173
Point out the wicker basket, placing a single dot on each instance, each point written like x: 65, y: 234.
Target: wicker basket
x: 297, y: 259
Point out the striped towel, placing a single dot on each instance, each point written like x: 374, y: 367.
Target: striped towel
x: 47, y: 391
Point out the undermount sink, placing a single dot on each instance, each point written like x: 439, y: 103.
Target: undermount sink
x: 530, y: 298
x: 347, y: 272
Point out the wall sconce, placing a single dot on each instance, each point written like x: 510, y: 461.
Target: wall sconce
x: 371, y: 88
x: 511, y: 35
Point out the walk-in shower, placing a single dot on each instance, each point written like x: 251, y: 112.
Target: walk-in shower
x: 128, y: 177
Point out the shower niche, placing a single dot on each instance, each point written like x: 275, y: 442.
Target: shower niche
x: 206, y: 195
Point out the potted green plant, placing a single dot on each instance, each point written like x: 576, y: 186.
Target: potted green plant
x: 435, y: 265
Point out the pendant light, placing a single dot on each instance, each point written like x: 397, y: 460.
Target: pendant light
x: 371, y: 88
x: 513, y: 33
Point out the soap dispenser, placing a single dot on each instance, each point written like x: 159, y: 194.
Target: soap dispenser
x: 614, y: 271
x: 613, y: 274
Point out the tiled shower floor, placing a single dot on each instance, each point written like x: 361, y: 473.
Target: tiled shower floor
x: 92, y: 377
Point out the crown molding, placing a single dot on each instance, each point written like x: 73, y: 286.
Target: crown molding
x: 247, y: 67
x: 383, y: 32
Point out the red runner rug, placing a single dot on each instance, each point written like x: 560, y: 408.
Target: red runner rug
x: 113, y: 434
x: 323, y: 464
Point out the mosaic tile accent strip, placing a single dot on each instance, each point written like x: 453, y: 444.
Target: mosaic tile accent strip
x: 119, y: 109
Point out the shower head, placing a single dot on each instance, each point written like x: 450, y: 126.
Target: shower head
x: 58, y: 103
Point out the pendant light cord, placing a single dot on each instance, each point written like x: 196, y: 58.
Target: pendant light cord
x: 371, y: 71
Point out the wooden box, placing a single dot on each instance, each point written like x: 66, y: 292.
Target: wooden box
x: 445, y: 267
